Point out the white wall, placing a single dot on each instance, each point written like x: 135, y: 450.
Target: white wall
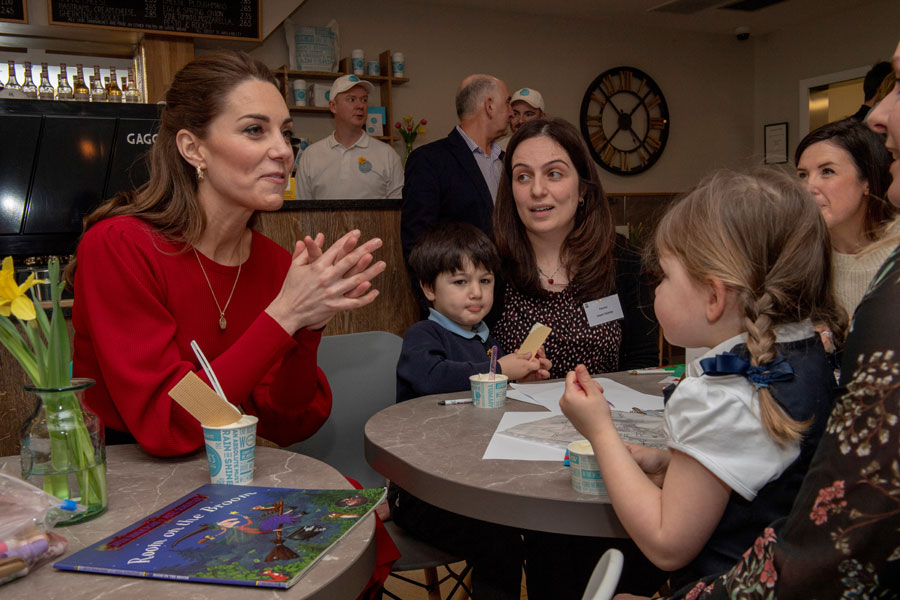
x: 827, y: 43
x: 720, y: 92
x: 707, y: 79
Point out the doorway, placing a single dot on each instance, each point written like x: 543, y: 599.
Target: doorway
x: 830, y: 97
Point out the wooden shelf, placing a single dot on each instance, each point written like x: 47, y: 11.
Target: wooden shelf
x: 385, y: 83
x: 309, y: 109
x: 283, y: 70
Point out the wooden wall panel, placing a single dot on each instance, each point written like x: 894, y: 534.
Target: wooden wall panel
x: 163, y: 56
x: 395, y: 309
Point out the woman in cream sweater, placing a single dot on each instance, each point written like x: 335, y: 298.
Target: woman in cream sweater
x: 846, y: 168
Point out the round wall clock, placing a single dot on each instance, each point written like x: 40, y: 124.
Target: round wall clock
x: 625, y: 120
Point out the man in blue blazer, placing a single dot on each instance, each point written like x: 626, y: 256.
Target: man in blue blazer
x: 456, y: 178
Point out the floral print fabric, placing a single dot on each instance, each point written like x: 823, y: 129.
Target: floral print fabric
x: 842, y: 537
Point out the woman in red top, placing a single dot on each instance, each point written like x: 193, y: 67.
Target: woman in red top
x: 176, y: 261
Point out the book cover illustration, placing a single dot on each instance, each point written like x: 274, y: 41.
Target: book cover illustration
x: 233, y: 534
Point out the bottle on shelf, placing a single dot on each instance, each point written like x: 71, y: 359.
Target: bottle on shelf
x: 28, y: 88
x: 64, y: 91
x: 11, y: 82
x: 79, y: 87
x: 113, y: 92
x: 132, y: 95
x: 98, y: 94
x: 45, y: 88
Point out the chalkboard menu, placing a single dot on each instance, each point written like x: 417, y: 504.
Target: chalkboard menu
x: 238, y: 19
x: 13, y: 10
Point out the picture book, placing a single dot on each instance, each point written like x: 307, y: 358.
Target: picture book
x: 232, y: 534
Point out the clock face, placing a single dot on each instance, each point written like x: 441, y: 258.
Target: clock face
x: 625, y: 120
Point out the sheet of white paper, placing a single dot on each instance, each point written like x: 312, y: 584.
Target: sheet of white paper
x: 548, y: 395
x: 542, y: 394
x: 503, y: 447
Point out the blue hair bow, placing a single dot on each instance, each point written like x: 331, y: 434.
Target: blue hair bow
x: 732, y: 364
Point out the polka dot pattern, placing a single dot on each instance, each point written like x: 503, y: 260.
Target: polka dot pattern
x: 572, y: 341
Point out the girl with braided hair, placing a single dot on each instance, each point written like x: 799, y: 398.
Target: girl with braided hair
x: 745, y: 266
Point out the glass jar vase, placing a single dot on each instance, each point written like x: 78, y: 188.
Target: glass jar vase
x: 63, y: 450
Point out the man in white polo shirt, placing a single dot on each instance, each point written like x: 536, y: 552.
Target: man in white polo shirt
x: 349, y: 163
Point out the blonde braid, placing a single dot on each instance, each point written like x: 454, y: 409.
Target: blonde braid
x: 761, y: 345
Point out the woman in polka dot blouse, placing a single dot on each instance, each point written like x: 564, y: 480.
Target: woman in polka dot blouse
x: 563, y: 264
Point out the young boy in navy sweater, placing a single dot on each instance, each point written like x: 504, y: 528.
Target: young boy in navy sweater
x: 455, y: 264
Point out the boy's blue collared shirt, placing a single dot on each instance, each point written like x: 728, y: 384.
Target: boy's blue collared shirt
x: 481, y: 330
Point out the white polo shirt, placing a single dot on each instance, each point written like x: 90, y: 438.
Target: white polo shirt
x: 367, y: 169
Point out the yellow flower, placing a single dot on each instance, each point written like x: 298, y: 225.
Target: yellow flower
x: 362, y: 160
x: 408, y: 119
x: 12, y: 297
x: 420, y: 129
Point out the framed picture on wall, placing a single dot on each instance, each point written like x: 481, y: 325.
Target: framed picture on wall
x: 776, y: 143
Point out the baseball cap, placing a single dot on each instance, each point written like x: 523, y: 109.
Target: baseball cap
x: 529, y: 96
x: 345, y: 82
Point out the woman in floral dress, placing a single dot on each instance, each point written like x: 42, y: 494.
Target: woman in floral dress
x: 842, y: 538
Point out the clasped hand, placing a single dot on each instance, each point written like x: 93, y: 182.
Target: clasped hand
x: 320, y: 284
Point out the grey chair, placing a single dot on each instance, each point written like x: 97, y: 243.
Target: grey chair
x: 362, y: 371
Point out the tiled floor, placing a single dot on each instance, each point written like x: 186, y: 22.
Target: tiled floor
x: 408, y: 591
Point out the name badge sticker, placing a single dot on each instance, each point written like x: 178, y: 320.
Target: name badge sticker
x: 603, y: 310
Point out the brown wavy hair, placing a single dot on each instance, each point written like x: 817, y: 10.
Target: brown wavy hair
x: 168, y: 201
x: 762, y: 234
x: 872, y: 162
x: 587, y: 252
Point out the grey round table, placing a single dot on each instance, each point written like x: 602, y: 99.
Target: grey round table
x: 434, y: 452
x: 140, y: 484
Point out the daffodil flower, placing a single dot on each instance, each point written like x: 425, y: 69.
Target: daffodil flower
x: 12, y: 297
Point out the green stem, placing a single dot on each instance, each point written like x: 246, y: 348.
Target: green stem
x: 72, y: 449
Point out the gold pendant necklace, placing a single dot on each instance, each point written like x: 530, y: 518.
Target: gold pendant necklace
x: 223, y: 323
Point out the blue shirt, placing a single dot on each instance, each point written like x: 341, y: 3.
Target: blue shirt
x: 481, y: 330
x: 490, y: 165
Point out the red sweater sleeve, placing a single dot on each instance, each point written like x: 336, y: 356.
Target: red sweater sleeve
x: 292, y: 399
x: 139, y: 301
